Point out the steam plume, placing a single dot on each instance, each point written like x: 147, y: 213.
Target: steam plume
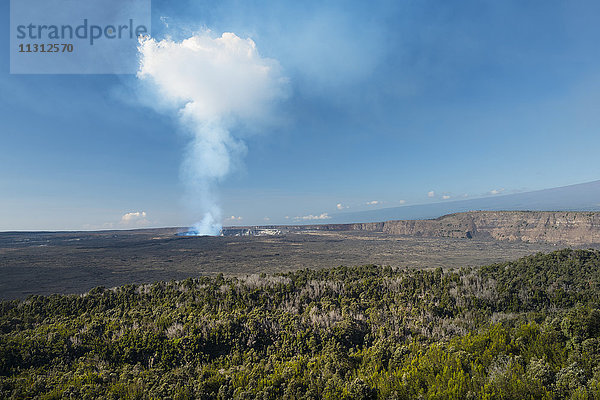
x: 217, y: 85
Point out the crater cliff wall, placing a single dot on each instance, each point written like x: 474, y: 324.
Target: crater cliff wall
x: 571, y: 228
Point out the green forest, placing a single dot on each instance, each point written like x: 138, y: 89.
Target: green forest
x: 527, y: 329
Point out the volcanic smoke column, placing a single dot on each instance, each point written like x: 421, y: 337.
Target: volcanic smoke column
x: 217, y: 86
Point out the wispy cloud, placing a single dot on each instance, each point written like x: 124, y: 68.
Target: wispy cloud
x: 234, y: 218
x: 402, y: 202
x: 445, y: 197
x: 313, y: 217
x: 373, y: 203
x: 340, y: 206
x: 496, y: 191
x: 431, y: 194
x: 93, y: 227
x: 134, y: 219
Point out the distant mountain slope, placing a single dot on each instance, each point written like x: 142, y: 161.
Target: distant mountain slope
x: 580, y: 197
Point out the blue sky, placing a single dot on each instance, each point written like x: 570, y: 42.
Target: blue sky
x: 388, y: 102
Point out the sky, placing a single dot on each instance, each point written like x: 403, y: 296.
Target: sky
x: 386, y: 103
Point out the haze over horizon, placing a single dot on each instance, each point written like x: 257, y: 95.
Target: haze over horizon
x: 388, y: 105
x: 572, y: 198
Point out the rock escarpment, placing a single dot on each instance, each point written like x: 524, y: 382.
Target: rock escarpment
x: 569, y: 228
x: 572, y: 228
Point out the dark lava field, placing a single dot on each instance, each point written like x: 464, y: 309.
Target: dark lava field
x: 75, y: 262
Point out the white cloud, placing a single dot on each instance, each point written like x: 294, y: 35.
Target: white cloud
x: 340, y: 206
x: 496, y: 191
x: 445, y: 197
x: 313, y: 217
x: 133, y: 216
x: 267, y: 219
x: 402, y: 202
x: 234, y: 218
x: 372, y: 203
x: 134, y: 219
x: 431, y: 193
